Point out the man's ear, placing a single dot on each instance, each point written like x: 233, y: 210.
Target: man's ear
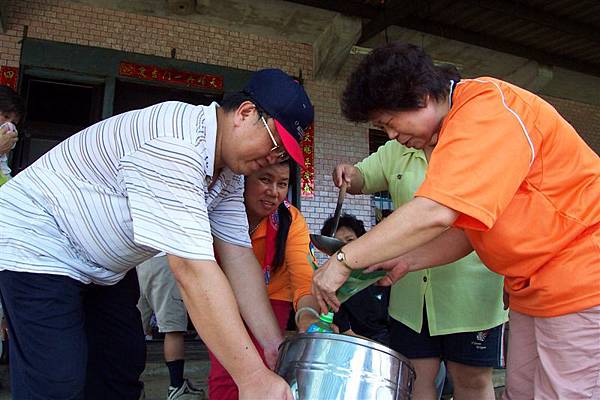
x: 243, y: 113
x: 245, y: 110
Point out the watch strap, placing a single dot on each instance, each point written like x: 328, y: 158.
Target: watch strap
x: 341, y: 257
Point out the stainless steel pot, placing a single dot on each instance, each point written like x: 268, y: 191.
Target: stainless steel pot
x: 327, y: 366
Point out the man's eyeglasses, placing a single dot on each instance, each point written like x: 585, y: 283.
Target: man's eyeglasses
x: 281, y: 154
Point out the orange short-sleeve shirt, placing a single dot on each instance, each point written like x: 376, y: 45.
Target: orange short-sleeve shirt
x: 293, y: 279
x: 527, y: 188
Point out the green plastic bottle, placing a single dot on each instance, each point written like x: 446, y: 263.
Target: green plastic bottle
x: 357, y: 281
x: 323, y: 325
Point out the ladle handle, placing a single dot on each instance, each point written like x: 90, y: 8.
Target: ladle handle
x: 338, y: 207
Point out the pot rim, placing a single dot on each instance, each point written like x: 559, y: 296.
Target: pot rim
x: 339, y: 337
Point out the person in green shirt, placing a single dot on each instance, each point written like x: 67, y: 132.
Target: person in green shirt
x: 440, y: 313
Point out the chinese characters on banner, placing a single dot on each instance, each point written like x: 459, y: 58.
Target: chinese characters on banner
x: 154, y: 73
x: 9, y: 76
x: 307, y: 179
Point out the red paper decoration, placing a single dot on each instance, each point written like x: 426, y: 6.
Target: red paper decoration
x: 154, y: 73
x: 9, y: 76
x: 307, y: 179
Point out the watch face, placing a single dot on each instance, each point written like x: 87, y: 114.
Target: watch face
x: 340, y: 256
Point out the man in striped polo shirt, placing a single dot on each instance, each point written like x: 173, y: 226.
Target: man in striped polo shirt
x: 166, y: 178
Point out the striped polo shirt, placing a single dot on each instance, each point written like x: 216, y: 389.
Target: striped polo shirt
x: 120, y: 191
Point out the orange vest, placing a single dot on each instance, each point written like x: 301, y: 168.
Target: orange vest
x: 293, y: 279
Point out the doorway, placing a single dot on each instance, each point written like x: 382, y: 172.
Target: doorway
x: 55, y: 110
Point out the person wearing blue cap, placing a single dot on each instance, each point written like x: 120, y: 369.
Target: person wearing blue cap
x: 167, y: 178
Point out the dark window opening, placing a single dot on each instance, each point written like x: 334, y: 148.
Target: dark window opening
x: 380, y: 200
x: 377, y: 139
x: 56, y: 109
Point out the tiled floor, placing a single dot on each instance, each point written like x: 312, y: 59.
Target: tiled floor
x: 155, y: 378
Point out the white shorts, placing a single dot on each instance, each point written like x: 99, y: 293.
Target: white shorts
x: 159, y: 293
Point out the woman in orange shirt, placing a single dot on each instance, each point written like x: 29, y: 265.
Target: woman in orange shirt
x: 280, y: 240
x: 508, y: 177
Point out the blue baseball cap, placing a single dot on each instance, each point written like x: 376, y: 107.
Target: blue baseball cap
x: 284, y: 99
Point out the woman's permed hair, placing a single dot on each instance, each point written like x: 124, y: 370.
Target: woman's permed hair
x: 394, y: 77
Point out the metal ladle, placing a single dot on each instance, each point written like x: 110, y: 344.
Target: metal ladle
x: 329, y: 244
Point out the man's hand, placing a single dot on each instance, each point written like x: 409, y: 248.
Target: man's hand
x: 351, y: 175
x: 264, y: 384
x: 327, y: 279
x: 7, y: 140
x: 271, y: 353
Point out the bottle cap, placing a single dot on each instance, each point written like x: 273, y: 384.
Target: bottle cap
x: 327, y: 317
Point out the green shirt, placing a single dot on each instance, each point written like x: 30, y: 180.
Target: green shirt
x: 463, y: 296
x: 3, y: 179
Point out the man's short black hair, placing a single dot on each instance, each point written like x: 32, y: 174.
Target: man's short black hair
x: 232, y: 101
x: 11, y: 102
x: 346, y: 220
x: 394, y: 77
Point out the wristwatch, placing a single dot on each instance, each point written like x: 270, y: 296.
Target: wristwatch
x: 341, y: 257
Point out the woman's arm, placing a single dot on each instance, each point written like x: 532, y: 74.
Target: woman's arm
x: 306, y: 318
x: 299, y: 270
x: 450, y: 246
x: 410, y: 226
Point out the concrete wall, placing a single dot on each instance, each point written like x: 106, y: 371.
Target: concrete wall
x: 585, y: 118
x: 335, y: 139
